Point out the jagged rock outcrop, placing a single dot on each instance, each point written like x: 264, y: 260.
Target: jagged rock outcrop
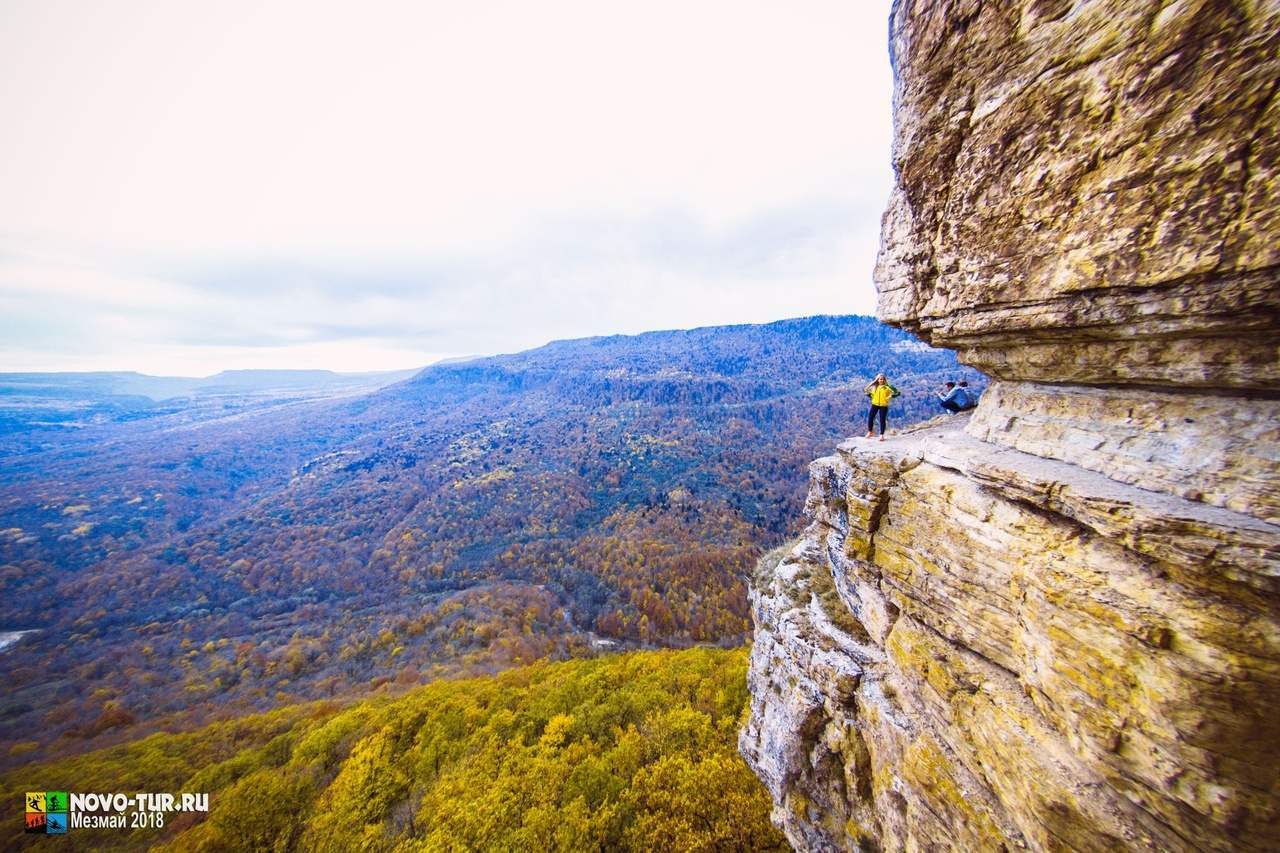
x: 1054, y: 624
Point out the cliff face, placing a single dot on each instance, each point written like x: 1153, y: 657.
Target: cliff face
x: 1055, y: 624
x: 1088, y: 191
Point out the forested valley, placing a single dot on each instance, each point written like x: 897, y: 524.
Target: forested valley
x: 587, y: 496
x: 624, y: 752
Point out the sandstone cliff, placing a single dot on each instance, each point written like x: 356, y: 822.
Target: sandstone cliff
x: 1055, y: 624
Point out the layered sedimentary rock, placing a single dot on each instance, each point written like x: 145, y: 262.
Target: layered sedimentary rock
x: 1088, y: 191
x: 1055, y: 624
x: 973, y: 647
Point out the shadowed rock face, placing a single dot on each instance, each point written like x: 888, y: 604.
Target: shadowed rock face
x: 1055, y: 624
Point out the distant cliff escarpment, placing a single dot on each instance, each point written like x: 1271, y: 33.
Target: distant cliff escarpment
x: 1055, y: 624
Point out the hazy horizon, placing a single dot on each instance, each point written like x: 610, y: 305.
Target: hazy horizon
x: 442, y: 359
x: 289, y: 186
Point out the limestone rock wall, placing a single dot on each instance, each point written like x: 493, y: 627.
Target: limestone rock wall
x: 1088, y: 191
x: 1055, y: 624
x: 1223, y: 451
x: 974, y: 647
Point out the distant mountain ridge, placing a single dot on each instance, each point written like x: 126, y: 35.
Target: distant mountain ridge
x: 132, y: 383
x: 474, y: 516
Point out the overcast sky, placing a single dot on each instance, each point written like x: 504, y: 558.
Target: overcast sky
x: 187, y: 187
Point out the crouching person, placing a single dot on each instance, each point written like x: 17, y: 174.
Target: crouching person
x: 956, y: 398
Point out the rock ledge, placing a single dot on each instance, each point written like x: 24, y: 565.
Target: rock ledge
x: 974, y: 647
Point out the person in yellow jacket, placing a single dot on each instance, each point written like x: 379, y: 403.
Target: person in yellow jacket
x: 880, y: 392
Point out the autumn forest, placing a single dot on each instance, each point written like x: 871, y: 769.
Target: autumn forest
x: 180, y: 565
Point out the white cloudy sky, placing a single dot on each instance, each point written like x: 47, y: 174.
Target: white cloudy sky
x: 191, y: 186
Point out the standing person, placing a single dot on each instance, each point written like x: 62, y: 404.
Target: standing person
x: 880, y: 392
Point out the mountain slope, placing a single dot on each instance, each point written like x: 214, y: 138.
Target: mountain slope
x: 482, y: 514
x: 624, y: 752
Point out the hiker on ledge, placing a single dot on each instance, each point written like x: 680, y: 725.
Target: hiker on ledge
x: 880, y: 392
x: 955, y: 398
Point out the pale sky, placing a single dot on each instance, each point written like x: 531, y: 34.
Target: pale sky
x: 187, y: 187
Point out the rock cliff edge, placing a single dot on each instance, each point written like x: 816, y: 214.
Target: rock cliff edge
x: 1054, y: 624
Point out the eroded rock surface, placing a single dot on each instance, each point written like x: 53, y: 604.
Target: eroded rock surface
x: 1222, y: 451
x: 1089, y: 191
x: 975, y: 647
x: 1054, y: 625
